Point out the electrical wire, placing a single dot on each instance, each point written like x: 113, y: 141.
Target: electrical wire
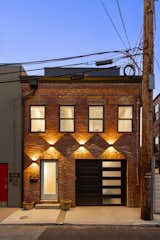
x: 116, y: 30
x: 112, y: 22
x: 64, y: 58
x: 69, y: 65
x: 62, y: 75
x: 123, y: 23
x: 138, y: 45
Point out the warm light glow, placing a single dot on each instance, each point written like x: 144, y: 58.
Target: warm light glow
x: 51, y: 142
x: 111, y: 149
x: 112, y: 153
x: 82, y: 142
x: 111, y: 137
x: 81, y: 149
x: 111, y: 141
x: 33, y: 165
x: 51, y: 149
x: 35, y: 157
x: 82, y: 138
x: 51, y: 137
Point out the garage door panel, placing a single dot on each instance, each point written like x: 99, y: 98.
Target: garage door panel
x: 100, y: 182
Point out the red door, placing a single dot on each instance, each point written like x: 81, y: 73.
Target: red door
x: 3, y: 182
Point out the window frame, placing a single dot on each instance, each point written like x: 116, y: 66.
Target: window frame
x: 132, y: 106
x: 156, y: 146
x: 30, y: 119
x: 102, y: 119
x: 157, y: 113
x: 67, y: 118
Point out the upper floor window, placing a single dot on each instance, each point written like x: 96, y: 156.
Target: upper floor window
x: 156, y: 111
x: 156, y: 144
x: 67, y: 119
x: 37, y: 118
x: 96, y: 119
x: 125, y: 119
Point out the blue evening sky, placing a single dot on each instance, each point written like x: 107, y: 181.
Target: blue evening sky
x: 44, y: 29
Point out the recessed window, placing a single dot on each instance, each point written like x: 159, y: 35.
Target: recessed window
x: 96, y: 119
x: 156, y: 144
x: 156, y: 111
x: 37, y: 118
x: 66, y: 118
x: 156, y: 140
x: 125, y: 118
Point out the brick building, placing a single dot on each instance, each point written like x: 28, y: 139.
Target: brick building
x: 156, y: 131
x: 81, y: 137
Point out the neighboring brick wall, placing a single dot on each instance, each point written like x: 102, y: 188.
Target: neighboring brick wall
x: 157, y: 194
x: 156, y: 131
x: 81, y: 94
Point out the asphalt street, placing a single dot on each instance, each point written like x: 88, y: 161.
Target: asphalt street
x: 78, y: 233
x: 100, y: 233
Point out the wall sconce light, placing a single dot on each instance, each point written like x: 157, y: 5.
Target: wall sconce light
x: 51, y: 144
x: 81, y: 145
x: 111, y: 149
x: 35, y: 158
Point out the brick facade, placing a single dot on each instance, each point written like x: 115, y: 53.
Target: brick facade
x: 156, y: 131
x: 67, y: 147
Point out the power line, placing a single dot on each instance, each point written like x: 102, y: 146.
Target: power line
x: 63, y: 58
x: 71, y: 65
x: 63, y: 75
x: 116, y: 30
x: 123, y: 24
x: 138, y: 45
x: 112, y: 22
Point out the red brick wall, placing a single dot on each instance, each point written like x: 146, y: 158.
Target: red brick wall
x: 81, y: 95
x: 156, y: 130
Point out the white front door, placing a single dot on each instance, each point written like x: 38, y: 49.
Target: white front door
x: 49, y: 180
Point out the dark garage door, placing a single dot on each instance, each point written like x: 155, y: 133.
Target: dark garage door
x: 100, y: 182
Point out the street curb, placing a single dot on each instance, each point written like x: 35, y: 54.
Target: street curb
x: 157, y: 225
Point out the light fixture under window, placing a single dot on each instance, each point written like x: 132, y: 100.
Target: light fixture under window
x: 35, y: 158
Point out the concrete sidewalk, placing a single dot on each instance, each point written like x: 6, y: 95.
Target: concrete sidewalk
x: 34, y: 216
x: 5, y: 212
x: 108, y: 216
x: 80, y: 216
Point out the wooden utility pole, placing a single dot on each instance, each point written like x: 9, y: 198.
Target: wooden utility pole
x: 147, y: 114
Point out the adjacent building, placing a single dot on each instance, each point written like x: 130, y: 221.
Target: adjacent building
x: 81, y: 137
x: 11, y: 128
x: 156, y: 131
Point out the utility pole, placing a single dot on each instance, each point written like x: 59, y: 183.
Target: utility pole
x: 147, y: 113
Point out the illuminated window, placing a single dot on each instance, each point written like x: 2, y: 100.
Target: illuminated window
x: 156, y: 140
x: 156, y: 111
x: 66, y: 118
x: 125, y: 118
x: 156, y: 144
x: 96, y: 119
x: 37, y: 118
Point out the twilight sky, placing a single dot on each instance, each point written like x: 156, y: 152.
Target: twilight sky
x: 44, y: 29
